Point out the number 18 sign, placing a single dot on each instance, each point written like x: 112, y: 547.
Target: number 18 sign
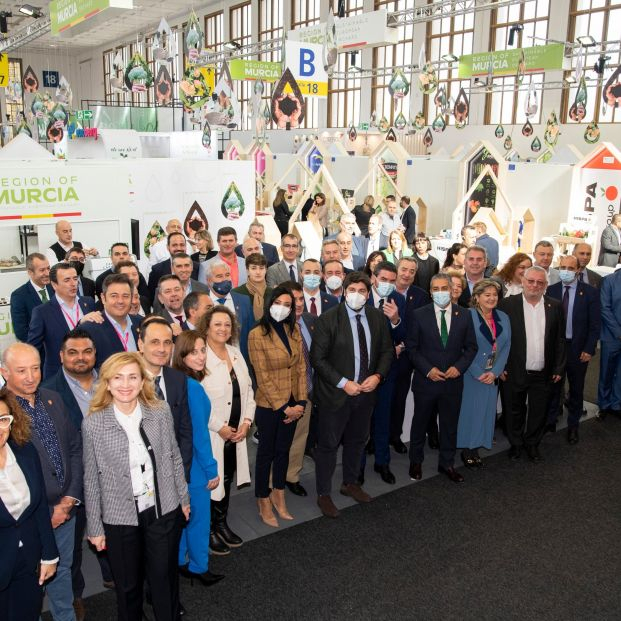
x: 305, y: 61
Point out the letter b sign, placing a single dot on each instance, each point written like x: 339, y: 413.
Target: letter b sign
x: 307, y: 60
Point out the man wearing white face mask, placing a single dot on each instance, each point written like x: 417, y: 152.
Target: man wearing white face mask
x: 315, y: 301
x: 441, y: 344
x: 351, y: 353
x: 333, y: 275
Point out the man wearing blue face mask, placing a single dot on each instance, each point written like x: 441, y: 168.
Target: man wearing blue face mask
x: 581, y: 308
x: 315, y: 301
x: 441, y: 344
x: 385, y: 298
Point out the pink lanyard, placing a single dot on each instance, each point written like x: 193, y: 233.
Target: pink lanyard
x: 124, y: 339
x: 72, y: 323
x: 492, y: 326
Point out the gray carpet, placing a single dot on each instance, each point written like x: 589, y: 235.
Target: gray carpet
x: 516, y: 541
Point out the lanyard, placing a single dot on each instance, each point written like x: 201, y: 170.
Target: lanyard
x: 72, y: 323
x: 124, y: 338
x: 492, y: 326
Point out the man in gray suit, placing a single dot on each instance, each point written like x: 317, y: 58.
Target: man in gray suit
x: 583, y: 253
x: 227, y: 242
x: 543, y: 255
x: 290, y: 268
x: 610, y: 243
x: 182, y: 266
x: 59, y: 445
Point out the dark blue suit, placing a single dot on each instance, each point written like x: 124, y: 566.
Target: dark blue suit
x: 609, y: 389
x: 491, y: 247
x: 48, y: 328
x: 20, y: 592
x: 270, y: 252
x: 58, y: 384
x: 161, y: 269
x: 327, y: 301
x: 415, y: 297
x: 424, y: 347
x: 585, y: 324
x: 245, y: 316
x: 106, y: 338
x: 23, y: 301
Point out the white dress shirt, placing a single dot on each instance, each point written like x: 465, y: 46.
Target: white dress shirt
x: 373, y: 245
x: 14, y: 489
x: 348, y: 263
x: 50, y: 255
x: 294, y: 266
x: 316, y: 297
x: 535, y: 329
x: 447, y: 316
x: 72, y: 315
x: 228, y: 300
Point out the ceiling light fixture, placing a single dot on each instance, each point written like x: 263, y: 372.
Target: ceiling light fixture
x: 515, y: 28
x: 450, y: 58
x: 570, y: 79
x: 232, y: 46
x: 30, y: 11
x: 586, y: 41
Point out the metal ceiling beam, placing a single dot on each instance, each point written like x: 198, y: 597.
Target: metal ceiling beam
x: 26, y: 34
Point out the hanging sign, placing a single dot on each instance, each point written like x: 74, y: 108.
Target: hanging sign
x: 305, y: 62
x: 4, y: 70
x: 50, y: 79
x: 505, y: 62
x: 66, y: 14
x: 254, y: 70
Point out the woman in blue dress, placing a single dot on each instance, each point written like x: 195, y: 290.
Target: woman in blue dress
x: 477, y: 416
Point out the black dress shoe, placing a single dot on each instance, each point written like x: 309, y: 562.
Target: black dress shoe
x: 384, y: 471
x: 534, y: 454
x: 217, y: 546
x: 399, y: 447
x: 434, y: 440
x: 370, y: 448
x: 416, y: 472
x: 468, y: 460
x: 451, y: 473
x: 182, y: 609
x: 224, y: 532
x: 296, y: 488
x: 515, y: 452
x: 572, y: 435
x: 602, y: 414
x: 550, y: 428
x: 207, y: 579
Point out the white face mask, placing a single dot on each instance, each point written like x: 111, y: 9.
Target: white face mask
x: 334, y: 283
x: 355, y: 300
x: 279, y: 313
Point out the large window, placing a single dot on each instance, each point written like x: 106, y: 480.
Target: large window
x: 271, y: 26
x: 240, y: 18
x: 505, y: 104
x: 449, y: 35
x: 214, y: 31
x: 304, y: 13
x: 602, y: 20
x: 392, y: 56
x: 15, y: 106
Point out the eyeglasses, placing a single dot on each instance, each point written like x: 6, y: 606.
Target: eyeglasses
x: 536, y: 283
x: 80, y: 259
x: 5, y: 421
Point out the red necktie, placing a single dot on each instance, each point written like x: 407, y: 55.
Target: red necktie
x: 313, y: 307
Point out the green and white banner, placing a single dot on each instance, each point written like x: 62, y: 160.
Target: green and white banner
x: 255, y: 70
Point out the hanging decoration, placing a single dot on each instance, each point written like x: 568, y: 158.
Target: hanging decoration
x: 592, y: 133
x: 577, y: 110
x: 117, y: 81
x: 427, y: 79
x: 383, y: 125
x: 30, y: 82
x: 57, y: 124
x: 440, y: 100
x: 531, y: 106
x: 255, y: 107
x: 330, y: 50
x: 461, y: 109
x: 162, y: 40
x: 499, y: 132
x: 508, y: 143
x: 223, y: 108
x: 611, y: 93
x: 400, y: 121
x: 391, y: 135
x: 193, y: 38
x: 352, y: 133
x: 23, y: 128
x: 195, y: 221
x: 428, y: 138
x: 535, y: 145
x: 232, y: 206
x: 439, y: 124
x: 552, y: 130
x: 193, y: 88
x: 64, y: 94
x: 155, y: 234
x: 163, y: 86
x: 419, y: 121
x: 138, y: 76
x: 398, y: 87
x: 206, y: 138
x: 521, y: 68
x: 288, y: 109
x: 527, y: 129
x: 373, y: 119
x: 39, y: 111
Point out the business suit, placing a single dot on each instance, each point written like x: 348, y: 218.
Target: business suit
x: 340, y: 416
x: 327, y: 302
x: 58, y: 384
x: 609, y: 387
x: 195, y: 287
x: 585, y: 328
x: 163, y: 268
x: 137, y: 543
x: 269, y: 251
x: 143, y: 289
x: 408, y: 219
x: 466, y: 294
x: 382, y: 244
x: 423, y: 345
x: 24, y: 542
x: 47, y: 329
x: 522, y: 384
x: 23, y: 301
x: 88, y: 287
x: 609, y: 247
x: 593, y: 278
x: 203, y: 268
x: 106, y: 339
x: 491, y: 247
x: 279, y: 273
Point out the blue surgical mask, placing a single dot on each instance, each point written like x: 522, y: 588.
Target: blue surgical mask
x: 312, y: 281
x: 441, y: 298
x: 222, y: 288
x: 567, y: 276
x: 384, y: 289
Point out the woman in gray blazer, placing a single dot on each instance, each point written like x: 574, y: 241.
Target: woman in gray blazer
x: 135, y: 491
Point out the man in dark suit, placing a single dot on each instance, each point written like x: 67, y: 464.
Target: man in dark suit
x: 610, y: 243
x: 537, y: 359
x: 77, y: 257
x: 333, y: 276
x: 114, y: 330
x: 351, y: 354
x: 257, y: 231
x: 474, y: 268
x: 59, y: 446
x: 583, y: 253
x: 170, y: 303
x: 315, y: 301
x: 175, y: 243
x: 119, y: 253
x: 130, y: 269
x: 75, y: 383
x: 51, y: 321
x: 441, y: 344
x: 581, y: 310
x: 408, y: 220
x: 35, y: 292
x: 156, y: 346
x: 351, y: 256
x: 290, y: 268
x: 195, y: 305
x: 347, y: 224
x: 414, y: 297
x: 182, y: 267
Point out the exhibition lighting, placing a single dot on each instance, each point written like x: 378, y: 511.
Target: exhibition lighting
x: 231, y: 45
x: 450, y: 58
x: 353, y: 68
x: 4, y: 27
x: 30, y: 11
x: 515, y: 28
x: 570, y: 79
x: 586, y: 41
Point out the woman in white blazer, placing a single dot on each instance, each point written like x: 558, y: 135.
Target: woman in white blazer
x: 229, y: 387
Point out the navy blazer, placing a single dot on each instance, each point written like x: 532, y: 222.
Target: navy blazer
x: 33, y: 527
x: 408, y: 219
x: 58, y: 383
x: 416, y: 297
x: 161, y: 269
x: 142, y: 283
x: 398, y: 332
x: 23, y: 301
x: 327, y: 302
x: 270, y: 252
x: 424, y: 346
x: 70, y: 442
x: 245, y: 316
x: 585, y: 317
x: 177, y: 398
x: 610, y: 301
x: 106, y: 338
x: 88, y: 287
x: 47, y: 330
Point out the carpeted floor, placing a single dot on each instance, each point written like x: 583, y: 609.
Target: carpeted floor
x: 516, y: 541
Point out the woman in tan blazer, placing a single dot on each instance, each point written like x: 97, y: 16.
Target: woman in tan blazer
x: 275, y: 349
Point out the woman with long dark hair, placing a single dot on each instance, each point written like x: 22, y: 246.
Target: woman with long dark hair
x: 281, y: 211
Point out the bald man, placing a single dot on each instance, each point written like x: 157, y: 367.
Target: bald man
x: 57, y: 252
x: 583, y: 253
x: 159, y: 251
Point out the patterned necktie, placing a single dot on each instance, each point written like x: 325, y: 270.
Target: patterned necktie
x: 566, y: 303
x: 309, y: 370
x: 443, y: 328
x: 292, y: 277
x: 581, y: 277
x: 363, y: 373
x: 43, y: 294
x: 313, y: 307
x: 158, y: 391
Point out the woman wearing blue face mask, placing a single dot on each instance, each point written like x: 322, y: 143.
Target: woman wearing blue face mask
x: 275, y: 349
x: 477, y: 416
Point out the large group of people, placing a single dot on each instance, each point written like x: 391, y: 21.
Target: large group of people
x: 128, y: 402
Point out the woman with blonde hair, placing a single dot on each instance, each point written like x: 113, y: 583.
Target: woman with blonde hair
x: 135, y: 491
x: 204, y: 244
x: 512, y: 272
x: 397, y: 247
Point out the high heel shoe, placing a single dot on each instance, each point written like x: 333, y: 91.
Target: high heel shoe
x: 278, y: 500
x: 266, y: 513
x: 207, y: 578
x: 468, y: 461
